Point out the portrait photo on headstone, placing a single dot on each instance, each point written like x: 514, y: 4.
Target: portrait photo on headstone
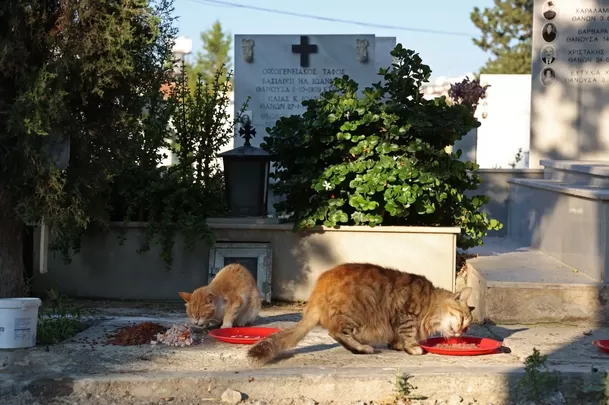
x: 548, y: 76
x: 549, y: 10
x: 548, y: 54
x: 549, y: 32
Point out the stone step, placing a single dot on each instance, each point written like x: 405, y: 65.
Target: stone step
x: 592, y: 173
x: 517, y: 284
x: 498, y: 385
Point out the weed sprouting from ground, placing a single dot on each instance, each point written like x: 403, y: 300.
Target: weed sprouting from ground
x: 58, y: 320
x: 404, y: 388
x: 538, y: 380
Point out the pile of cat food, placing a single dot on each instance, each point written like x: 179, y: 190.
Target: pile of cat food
x: 134, y: 335
x: 457, y: 346
x: 177, y: 336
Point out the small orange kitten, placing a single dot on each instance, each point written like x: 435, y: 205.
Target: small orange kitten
x: 231, y: 299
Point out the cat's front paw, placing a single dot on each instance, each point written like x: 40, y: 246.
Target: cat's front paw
x: 226, y: 325
x: 414, y: 350
x: 395, y: 346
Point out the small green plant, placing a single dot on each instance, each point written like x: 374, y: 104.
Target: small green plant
x: 380, y: 158
x: 404, y: 388
x: 517, y: 158
x: 57, y: 320
x: 538, y: 381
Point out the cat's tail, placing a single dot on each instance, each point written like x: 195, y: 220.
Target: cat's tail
x: 267, y: 349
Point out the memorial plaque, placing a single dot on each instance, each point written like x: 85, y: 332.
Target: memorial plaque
x: 570, y: 80
x: 278, y: 72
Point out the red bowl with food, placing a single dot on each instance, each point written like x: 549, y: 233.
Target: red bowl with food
x: 460, y: 346
x: 244, y: 335
x: 603, y: 345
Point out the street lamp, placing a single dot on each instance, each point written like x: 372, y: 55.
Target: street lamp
x: 246, y: 171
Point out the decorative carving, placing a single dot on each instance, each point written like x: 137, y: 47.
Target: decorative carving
x: 247, y: 50
x: 362, y: 50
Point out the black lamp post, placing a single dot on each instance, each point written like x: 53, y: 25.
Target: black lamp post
x: 246, y: 171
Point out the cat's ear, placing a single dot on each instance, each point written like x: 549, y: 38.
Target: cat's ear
x: 210, y: 298
x: 185, y: 296
x: 464, y: 294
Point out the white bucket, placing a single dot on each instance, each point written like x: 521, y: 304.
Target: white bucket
x: 18, y: 322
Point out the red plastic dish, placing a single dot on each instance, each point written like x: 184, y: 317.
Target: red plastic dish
x: 603, y: 345
x: 244, y: 335
x: 483, y: 346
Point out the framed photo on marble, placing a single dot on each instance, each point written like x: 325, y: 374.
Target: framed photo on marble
x: 256, y: 257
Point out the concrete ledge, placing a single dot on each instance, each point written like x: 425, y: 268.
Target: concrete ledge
x: 477, y: 282
x: 279, y: 225
x: 496, y: 384
x: 511, y: 303
x: 494, y: 185
x: 483, y: 171
x: 597, y: 168
x: 583, y: 191
x: 105, y: 268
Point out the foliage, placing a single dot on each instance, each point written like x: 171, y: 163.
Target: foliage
x: 216, y: 46
x: 538, y: 381
x: 57, y: 320
x: 180, y: 197
x: 75, y: 73
x: 404, y: 388
x: 506, y: 32
x: 468, y: 93
x: 380, y: 158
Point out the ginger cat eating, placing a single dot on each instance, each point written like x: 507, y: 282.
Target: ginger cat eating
x: 231, y: 299
x: 362, y: 305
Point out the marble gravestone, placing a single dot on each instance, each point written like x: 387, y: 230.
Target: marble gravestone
x: 570, y: 81
x: 278, y: 72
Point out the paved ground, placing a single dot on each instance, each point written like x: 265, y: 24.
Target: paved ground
x: 89, y: 369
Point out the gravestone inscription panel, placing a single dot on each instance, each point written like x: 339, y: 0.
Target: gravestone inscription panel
x: 278, y: 72
x: 570, y: 80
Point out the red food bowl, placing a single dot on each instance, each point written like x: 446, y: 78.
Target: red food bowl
x: 603, y: 345
x: 475, y: 346
x: 243, y: 335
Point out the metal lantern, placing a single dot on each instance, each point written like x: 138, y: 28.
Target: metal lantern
x: 246, y: 171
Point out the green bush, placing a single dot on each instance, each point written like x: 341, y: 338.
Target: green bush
x: 379, y: 158
x: 178, y: 198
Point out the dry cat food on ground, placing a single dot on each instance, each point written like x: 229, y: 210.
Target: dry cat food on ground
x: 177, y: 335
x: 140, y: 334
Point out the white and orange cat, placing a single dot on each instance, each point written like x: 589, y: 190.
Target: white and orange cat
x: 231, y: 299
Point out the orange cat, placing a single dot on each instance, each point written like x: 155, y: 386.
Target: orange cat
x: 231, y: 299
x: 362, y: 305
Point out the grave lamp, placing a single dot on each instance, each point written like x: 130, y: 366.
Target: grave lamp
x: 246, y: 172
